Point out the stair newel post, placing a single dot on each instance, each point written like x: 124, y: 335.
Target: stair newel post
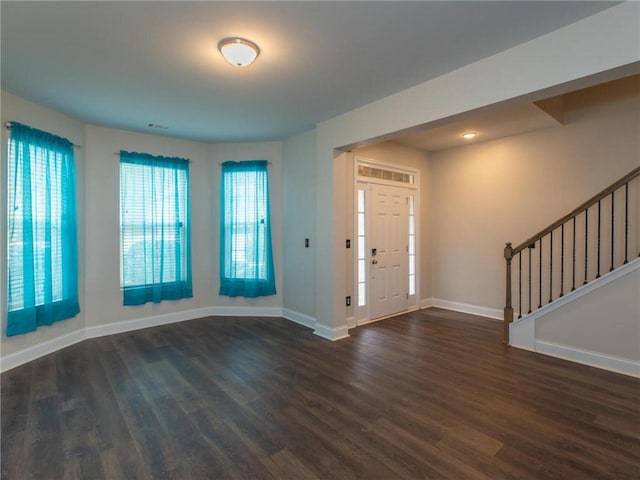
x: 508, y: 309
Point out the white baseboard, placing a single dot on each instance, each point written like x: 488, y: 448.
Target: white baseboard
x: 522, y: 334
x: 299, y: 318
x: 232, y: 311
x: 25, y: 355
x: 12, y: 360
x: 146, y: 322
x: 492, y: 313
x: 586, y: 357
x: 367, y: 321
x: 323, y: 331
x: 332, y: 334
x: 426, y: 302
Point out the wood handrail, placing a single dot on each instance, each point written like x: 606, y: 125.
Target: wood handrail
x: 585, y: 205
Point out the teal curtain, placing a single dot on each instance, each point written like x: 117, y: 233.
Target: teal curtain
x: 155, y: 228
x: 246, y: 259
x: 42, y: 230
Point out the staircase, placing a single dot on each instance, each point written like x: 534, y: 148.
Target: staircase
x: 591, y: 246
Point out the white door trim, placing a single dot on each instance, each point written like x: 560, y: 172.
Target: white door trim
x: 361, y: 315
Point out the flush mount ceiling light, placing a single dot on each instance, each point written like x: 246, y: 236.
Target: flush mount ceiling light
x: 469, y: 135
x: 239, y: 52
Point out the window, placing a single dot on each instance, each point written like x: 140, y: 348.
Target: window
x: 362, y: 252
x: 246, y: 261
x: 42, y: 235
x: 155, y: 243
x: 412, y: 245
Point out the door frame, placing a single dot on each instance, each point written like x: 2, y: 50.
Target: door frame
x: 361, y: 314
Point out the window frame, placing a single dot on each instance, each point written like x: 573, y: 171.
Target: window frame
x: 232, y: 284
x: 181, y: 285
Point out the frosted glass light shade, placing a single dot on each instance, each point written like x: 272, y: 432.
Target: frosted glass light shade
x: 239, y: 52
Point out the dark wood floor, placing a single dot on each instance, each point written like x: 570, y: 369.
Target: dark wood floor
x: 430, y: 394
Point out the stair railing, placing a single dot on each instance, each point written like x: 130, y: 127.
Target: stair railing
x: 583, y: 246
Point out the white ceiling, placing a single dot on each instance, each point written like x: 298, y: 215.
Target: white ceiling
x: 488, y: 126
x: 125, y: 64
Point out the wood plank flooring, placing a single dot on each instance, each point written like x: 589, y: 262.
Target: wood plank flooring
x: 430, y: 394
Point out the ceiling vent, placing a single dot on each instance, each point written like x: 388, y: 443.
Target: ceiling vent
x: 157, y: 126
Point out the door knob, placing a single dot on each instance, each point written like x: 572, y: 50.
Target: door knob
x: 374, y: 262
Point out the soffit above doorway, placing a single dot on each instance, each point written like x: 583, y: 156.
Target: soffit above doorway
x: 489, y: 126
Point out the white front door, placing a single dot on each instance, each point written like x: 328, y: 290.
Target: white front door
x: 388, y: 251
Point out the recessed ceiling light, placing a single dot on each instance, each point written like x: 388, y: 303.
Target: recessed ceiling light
x: 239, y: 52
x: 469, y: 135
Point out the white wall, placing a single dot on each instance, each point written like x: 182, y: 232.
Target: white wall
x: 607, y: 321
x: 597, y: 324
x: 17, y: 109
x: 104, y: 297
x: 554, y: 63
x: 298, y: 213
x: 508, y: 189
x: 97, y: 166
